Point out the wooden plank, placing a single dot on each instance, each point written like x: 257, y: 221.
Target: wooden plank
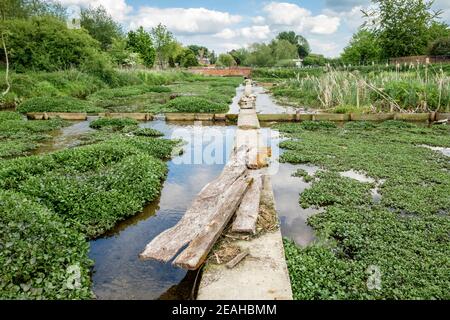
x: 166, y: 245
x: 371, y: 116
x: 412, y: 116
x: 442, y: 116
x: 247, y: 213
x: 197, y: 251
x: 277, y: 117
x: 233, y: 262
x: 175, y: 116
x: 330, y: 117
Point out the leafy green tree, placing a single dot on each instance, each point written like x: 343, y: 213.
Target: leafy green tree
x: 188, y: 59
x: 23, y: 9
x: 163, y: 40
x: 314, y: 59
x: 239, y: 55
x: 45, y: 43
x: 283, y: 49
x: 362, y: 49
x: 140, y: 41
x: 260, y: 55
x: 440, y: 47
x: 438, y: 30
x: 212, y: 57
x: 299, y: 41
x: 100, y: 26
x: 225, y: 60
x: 401, y: 26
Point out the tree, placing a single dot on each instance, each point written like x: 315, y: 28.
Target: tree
x: 100, y: 26
x: 283, y: 50
x: 45, y: 43
x: 24, y: 9
x: 438, y: 30
x: 362, y: 49
x: 212, y: 57
x: 314, y: 59
x: 401, y: 26
x: 239, y: 55
x: 139, y: 41
x: 299, y: 41
x: 440, y: 47
x: 226, y: 60
x: 188, y: 59
x: 162, y: 39
x: 260, y: 55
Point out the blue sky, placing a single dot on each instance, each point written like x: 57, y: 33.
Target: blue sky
x: 223, y: 25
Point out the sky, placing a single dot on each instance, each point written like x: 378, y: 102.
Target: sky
x: 223, y: 25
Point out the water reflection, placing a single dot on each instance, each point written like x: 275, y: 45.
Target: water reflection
x: 264, y: 102
x: 118, y: 273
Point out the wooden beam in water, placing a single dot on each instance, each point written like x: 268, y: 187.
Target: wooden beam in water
x: 166, y: 245
x: 197, y: 251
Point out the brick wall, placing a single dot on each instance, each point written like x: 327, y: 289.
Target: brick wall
x: 223, y: 72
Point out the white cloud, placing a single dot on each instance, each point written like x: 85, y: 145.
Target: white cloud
x: 184, y: 21
x: 258, y: 20
x: 118, y: 9
x: 253, y: 32
x: 300, y: 19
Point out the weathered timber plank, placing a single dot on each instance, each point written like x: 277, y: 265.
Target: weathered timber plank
x: 247, y: 213
x: 165, y: 246
x: 197, y: 251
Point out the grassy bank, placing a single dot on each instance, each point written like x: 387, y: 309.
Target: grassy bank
x: 51, y: 204
x: 416, y: 89
x: 131, y: 91
x: 403, y: 238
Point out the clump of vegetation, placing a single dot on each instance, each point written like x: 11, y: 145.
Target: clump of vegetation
x: 316, y: 125
x: 360, y: 125
x: 330, y: 188
x: 195, y: 104
x: 147, y: 132
x: 303, y: 174
x: 112, y: 123
x: 52, y: 203
x: 401, y: 236
x: 128, y: 91
x: 19, y: 137
x: 57, y: 104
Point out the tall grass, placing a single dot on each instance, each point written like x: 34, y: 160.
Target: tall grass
x: 417, y: 89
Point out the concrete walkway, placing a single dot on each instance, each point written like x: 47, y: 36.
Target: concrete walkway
x: 263, y: 274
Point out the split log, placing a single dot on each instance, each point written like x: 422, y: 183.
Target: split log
x: 247, y: 213
x: 166, y: 245
x: 197, y: 251
x: 233, y: 262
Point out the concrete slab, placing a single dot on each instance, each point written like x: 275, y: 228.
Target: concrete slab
x: 262, y: 275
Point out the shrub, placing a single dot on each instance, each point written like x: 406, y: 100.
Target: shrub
x: 195, y: 104
x: 440, y: 47
x: 45, y: 43
x: 57, y: 104
x: 114, y: 123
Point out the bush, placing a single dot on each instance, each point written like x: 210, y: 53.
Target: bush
x: 115, y: 124
x: 195, y: 104
x: 36, y: 250
x: 440, y: 47
x: 316, y: 125
x: 57, y: 104
x: 45, y: 43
